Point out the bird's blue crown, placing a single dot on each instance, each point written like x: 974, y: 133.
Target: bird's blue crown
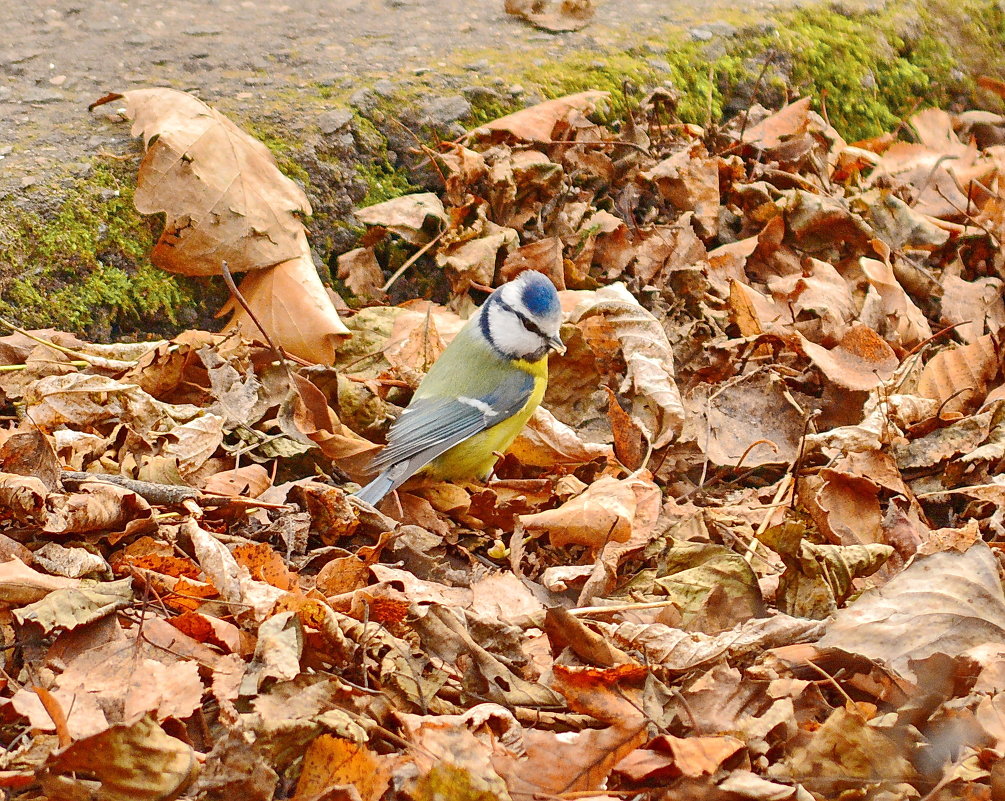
x: 539, y: 295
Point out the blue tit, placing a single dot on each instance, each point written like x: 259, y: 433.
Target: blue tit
x: 479, y: 394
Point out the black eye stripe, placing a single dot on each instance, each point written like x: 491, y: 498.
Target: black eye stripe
x: 529, y: 324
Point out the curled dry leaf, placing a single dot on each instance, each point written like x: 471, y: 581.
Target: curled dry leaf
x: 20, y: 585
x: 860, y: 361
x: 888, y: 308
x: 974, y: 307
x: 225, y: 200
x: 649, y: 381
x: 406, y: 215
x: 360, y: 271
x: 818, y: 577
x: 294, y: 307
x: 75, y: 606
x: 546, y: 441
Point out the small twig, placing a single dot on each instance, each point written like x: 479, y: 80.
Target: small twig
x: 164, y: 494
x: 95, y: 361
x: 586, y: 611
x: 411, y: 260
x: 831, y: 680
x: 236, y: 294
x: 753, y: 94
x: 11, y: 368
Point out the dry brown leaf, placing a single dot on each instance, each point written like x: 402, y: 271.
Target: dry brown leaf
x: 332, y: 761
x: 294, y: 307
x: 942, y: 603
x: 20, y: 585
x: 784, y: 124
x: 223, y: 195
x: 132, y: 762
x: 748, y: 419
x: 537, y: 123
x: 421, y: 332
x: 844, y: 753
x: 249, y: 481
x: 974, y: 307
x: 605, y: 512
x: 406, y: 215
x: 667, y: 757
x: 959, y: 378
x: 681, y: 651
x: 571, y: 15
x: 546, y: 442
x: 889, y: 311
x: 689, y: 180
x: 361, y: 272
x: 543, y: 256
x: 306, y: 415
x: 649, y: 382
x: 860, y: 361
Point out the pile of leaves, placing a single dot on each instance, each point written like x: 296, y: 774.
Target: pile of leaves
x: 749, y: 548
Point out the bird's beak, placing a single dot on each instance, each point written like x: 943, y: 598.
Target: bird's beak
x: 556, y: 344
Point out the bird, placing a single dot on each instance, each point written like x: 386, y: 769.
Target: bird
x: 478, y: 394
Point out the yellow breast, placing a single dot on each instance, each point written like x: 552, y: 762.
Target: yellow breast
x: 476, y: 456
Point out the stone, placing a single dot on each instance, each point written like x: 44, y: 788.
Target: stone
x: 445, y: 110
x: 332, y: 121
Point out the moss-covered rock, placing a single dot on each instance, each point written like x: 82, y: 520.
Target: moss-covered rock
x: 76, y: 256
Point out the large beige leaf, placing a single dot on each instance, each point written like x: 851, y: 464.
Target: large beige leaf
x: 649, y: 381
x: 225, y: 200
x: 223, y: 196
x: 943, y: 603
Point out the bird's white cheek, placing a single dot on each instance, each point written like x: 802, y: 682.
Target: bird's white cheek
x: 509, y: 335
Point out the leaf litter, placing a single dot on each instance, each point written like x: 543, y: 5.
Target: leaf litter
x: 750, y: 546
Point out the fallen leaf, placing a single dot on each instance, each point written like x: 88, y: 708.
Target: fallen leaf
x: 132, y: 762
x: 605, y: 512
x: 571, y: 15
x: 537, y: 123
x: 222, y: 194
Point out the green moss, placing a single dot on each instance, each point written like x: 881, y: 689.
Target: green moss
x: 383, y: 182
x: 866, y: 71
x: 283, y: 151
x: 86, y: 267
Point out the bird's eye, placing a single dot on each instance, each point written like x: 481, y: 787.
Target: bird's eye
x: 530, y: 325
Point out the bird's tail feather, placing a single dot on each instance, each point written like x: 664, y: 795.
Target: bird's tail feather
x: 376, y: 489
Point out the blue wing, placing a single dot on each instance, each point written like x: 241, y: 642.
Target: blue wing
x: 431, y: 426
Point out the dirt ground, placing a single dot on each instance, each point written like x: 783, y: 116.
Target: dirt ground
x: 57, y: 56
